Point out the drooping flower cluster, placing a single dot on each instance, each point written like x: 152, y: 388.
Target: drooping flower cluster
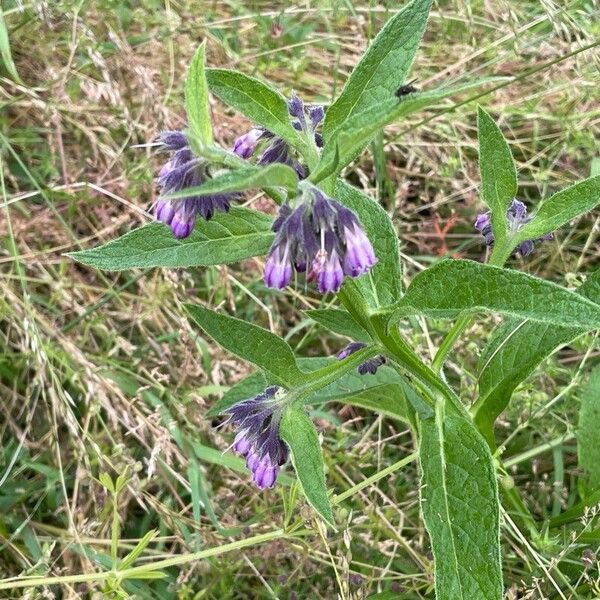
x: 184, y: 170
x: 257, y: 421
x: 369, y: 366
x: 277, y: 150
x: 516, y: 216
x: 321, y: 237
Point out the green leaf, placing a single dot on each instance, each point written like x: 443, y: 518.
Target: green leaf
x: 261, y: 103
x: 388, y: 399
x: 299, y: 433
x: 364, y: 126
x: 588, y: 435
x: 339, y: 321
x: 252, y: 343
x: 196, y: 99
x: 9, y: 64
x: 246, y: 178
x: 452, y: 286
x: 459, y: 499
x: 382, y: 68
x: 238, y: 235
x: 515, y: 349
x: 383, y: 285
x: 498, y: 173
x: 561, y: 208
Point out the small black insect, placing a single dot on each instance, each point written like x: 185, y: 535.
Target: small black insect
x: 406, y: 89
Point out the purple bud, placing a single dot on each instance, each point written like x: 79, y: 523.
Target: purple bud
x: 316, y: 114
x: 360, y: 256
x: 296, y: 107
x: 164, y: 211
x: 351, y: 348
x: 173, y: 140
x: 265, y: 473
x: 371, y: 365
x: 241, y: 444
x: 182, y: 223
x: 328, y: 272
x: 278, y: 269
x: 245, y: 145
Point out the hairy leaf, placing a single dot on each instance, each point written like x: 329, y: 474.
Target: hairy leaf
x: 246, y: 178
x: 459, y: 498
x: 340, y: 321
x: 515, y: 349
x: 261, y: 103
x: 196, y: 99
x: 382, y: 68
x: 453, y: 286
x: 588, y: 434
x: 240, y: 234
x: 498, y: 173
x: 299, y: 433
x: 250, y: 342
x: 562, y: 207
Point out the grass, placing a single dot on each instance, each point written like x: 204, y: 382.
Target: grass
x: 102, y: 373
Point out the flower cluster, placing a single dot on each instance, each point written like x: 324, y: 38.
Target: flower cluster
x: 257, y: 421
x: 184, y: 170
x: 277, y: 150
x: 516, y: 216
x: 369, y: 366
x: 321, y: 237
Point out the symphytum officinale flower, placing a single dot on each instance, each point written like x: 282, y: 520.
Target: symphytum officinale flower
x: 323, y: 238
x: 257, y: 422
x: 369, y: 366
x: 516, y: 215
x: 184, y: 170
x: 277, y: 150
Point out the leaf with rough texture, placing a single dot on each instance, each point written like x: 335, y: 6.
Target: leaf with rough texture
x: 299, y: 433
x: 339, y: 321
x: 459, y: 499
x: 196, y: 98
x: 357, y: 134
x: 453, y: 286
x: 588, y: 434
x: 382, y: 68
x: 227, y: 238
x: 250, y: 342
x: 247, y: 178
x: 383, y: 285
x: 498, y: 173
x: 261, y: 103
x: 562, y: 207
x: 515, y: 349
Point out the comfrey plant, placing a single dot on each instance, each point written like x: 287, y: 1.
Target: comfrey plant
x: 330, y: 238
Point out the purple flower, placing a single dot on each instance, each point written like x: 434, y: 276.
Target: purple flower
x: 516, y: 217
x: 369, y: 366
x: 257, y: 421
x: 184, y: 170
x: 320, y: 236
x: 245, y: 145
x: 278, y: 150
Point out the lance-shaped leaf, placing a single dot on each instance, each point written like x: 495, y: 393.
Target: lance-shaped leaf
x: 498, y: 173
x: 261, y: 103
x: 5, y: 52
x: 382, y: 68
x: 561, y: 208
x: 247, y: 178
x: 354, y: 137
x: 453, y: 286
x: 588, y: 434
x: 252, y: 343
x: 459, y: 499
x: 227, y: 238
x: 383, y: 285
x: 299, y: 433
x: 515, y: 349
x: 339, y: 321
x: 196, y: 99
